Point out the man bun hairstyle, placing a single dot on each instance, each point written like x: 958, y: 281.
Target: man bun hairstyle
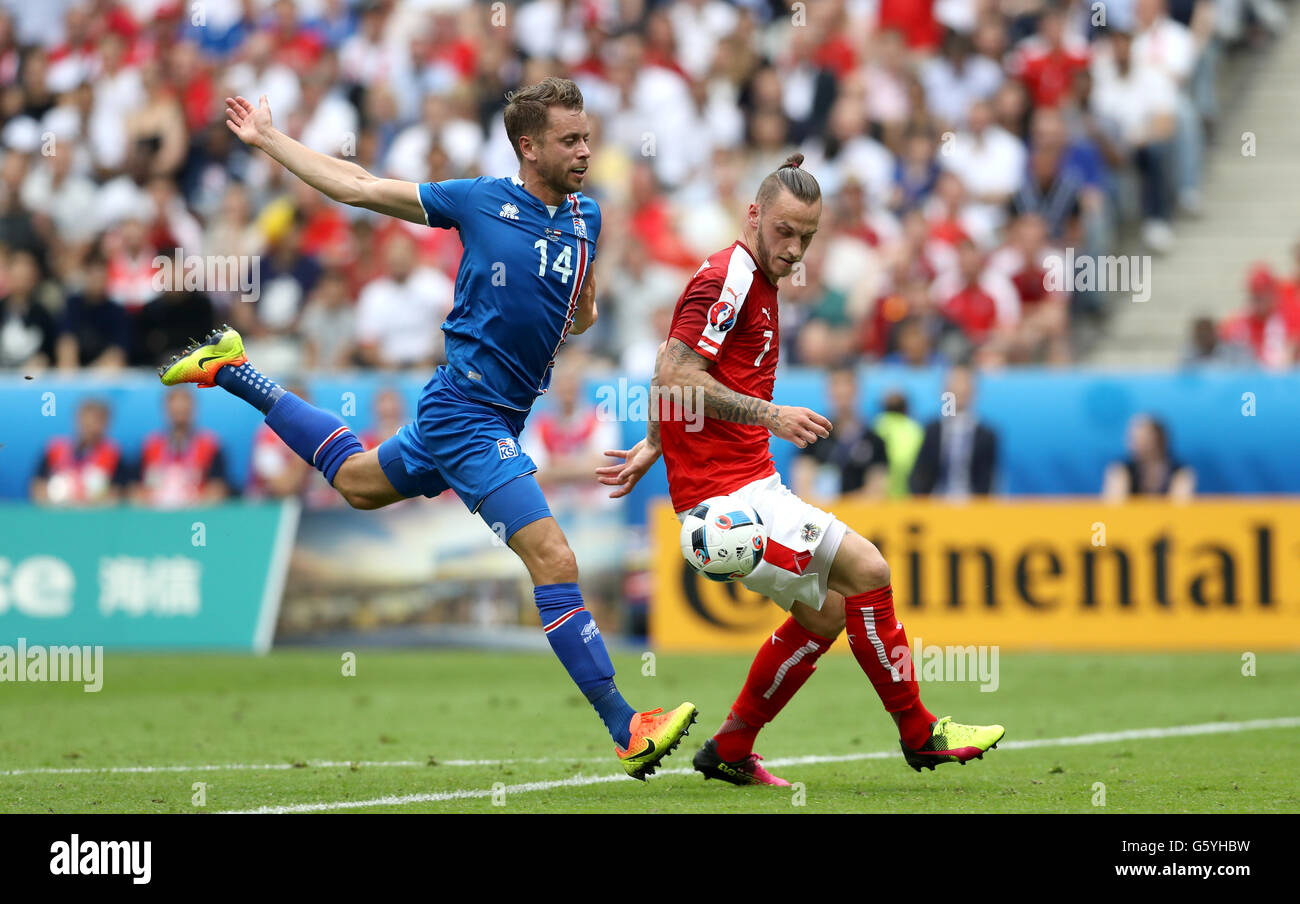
x: 792, y: 177
x: 526, y: 108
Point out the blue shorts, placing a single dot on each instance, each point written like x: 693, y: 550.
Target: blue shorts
x: 455, y: 442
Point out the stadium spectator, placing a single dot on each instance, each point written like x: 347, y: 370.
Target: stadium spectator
x: 958, y: 457
x: 131, y: 256
x: 181, y: 465
x: 903, y: 438
x: 886, y: 80
x: 460, y: 137
x: 399, y: 314
x: 165, y: 325
x: 1162, y: 43
x: 390, y: 415
x: 1048, y: 61
x: 639, y: 290
x: 19, y: 229
x: 1150, y: 469
x: 94, y: 332
x: 916, y: 172
x: 913, y: 344
x: 990, y: 163
x: 328, y: 325
x: 957, y: 78
x: 1288, y: 288
x: 232, y: 232
x: 1138, y: 108
x: 287, y: 273
x: 1262, y: 326
x: 567, y: 441
x: 55, y: 187
x: 27, y: 329
x: 982, y: 301
x: 1207, y: 349
x: 852, y: 461
x: 1061, y: 182
x: 848, y: 152
x: 1043, y: 329
x: 86, y: 469
x: 144, y: 162
x: 157, y: 123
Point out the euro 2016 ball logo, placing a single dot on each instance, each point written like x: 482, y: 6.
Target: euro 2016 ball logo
x: 723, y: 539
x: 722, y: 316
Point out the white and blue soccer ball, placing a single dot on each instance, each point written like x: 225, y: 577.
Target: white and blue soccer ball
x: 723, y: 538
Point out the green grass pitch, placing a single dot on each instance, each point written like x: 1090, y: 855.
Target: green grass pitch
x: 298, y: 733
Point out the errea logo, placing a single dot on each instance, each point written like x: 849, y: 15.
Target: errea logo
x: 590, y: 632
x: 509, y: 211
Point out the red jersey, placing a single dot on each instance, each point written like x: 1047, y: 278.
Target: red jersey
x: 974, y: 310
x: 1048, y: 72
x: 728, y: 313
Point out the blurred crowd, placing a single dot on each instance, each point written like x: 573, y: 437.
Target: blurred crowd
x: 959, y: 143
x: 954, y: 456
x: 1264, y: 331
x: 182, y: 464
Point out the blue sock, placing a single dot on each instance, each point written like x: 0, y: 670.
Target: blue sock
x: 577, y: 642
x: 244, y: 381
x: 319, y: 437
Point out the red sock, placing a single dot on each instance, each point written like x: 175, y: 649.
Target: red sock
x: 785, y: 661
x: 879, y: 644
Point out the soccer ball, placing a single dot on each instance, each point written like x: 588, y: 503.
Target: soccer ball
x: 723, y: 538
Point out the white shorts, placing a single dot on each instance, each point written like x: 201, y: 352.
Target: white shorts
x: 802, y: 541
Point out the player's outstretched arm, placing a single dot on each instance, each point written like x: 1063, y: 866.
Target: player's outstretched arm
x: 687, y: 370
x: 340, y: 180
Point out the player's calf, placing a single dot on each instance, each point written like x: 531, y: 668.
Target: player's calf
x: 319, y: 437
x: 544, y: 551
x: 877, y: 637
x: 827, y: 622
x: 518, y: 510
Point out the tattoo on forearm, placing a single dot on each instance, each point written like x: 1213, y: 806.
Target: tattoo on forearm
x: 652, y: 420
x: 719, y: 401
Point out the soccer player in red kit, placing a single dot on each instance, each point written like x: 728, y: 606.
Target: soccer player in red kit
x: 722, y: 351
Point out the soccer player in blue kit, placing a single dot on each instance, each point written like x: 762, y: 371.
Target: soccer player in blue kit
x: 524, y: 284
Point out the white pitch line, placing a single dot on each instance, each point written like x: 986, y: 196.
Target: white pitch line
x: 815, y: 759
x: 578, y: 781
x: 307, y: 764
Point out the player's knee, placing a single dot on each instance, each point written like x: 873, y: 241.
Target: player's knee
x: 555, y: 563
x: 870, y: 570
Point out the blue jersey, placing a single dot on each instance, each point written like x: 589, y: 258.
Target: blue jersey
x: 518, y: 285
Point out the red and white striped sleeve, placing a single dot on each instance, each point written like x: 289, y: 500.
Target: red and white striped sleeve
x: 712, y: 304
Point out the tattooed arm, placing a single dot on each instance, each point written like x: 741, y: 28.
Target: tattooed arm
x: 680, y: 367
